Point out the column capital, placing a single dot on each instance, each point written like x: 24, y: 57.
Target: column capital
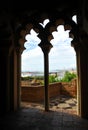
x: 45, y: 46
x: 80, y: 40
x: 75, y: 44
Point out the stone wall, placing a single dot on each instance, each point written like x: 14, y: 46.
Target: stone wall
x: 36, y: 93
x: 69, y: 89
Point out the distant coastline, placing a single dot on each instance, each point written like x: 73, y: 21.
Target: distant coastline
x: 41, y: 73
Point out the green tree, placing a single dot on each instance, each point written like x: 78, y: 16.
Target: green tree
x: 52, y: 79
x: 68, y: 76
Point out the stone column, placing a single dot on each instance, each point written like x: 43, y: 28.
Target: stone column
x: 19, y: 51
x: 77, y: 50
x: 82, y: 70
x: 46, y: 48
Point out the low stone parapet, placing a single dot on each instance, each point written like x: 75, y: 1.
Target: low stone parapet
x: 36, y: 93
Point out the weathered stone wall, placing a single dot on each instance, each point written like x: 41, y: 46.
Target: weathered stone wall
x: 32, y: 93
x: 69, y: 89
x: 36, y: 93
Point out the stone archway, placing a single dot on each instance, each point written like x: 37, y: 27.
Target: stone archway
x: 45, y: 34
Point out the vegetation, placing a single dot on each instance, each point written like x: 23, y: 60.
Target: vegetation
x: 68, y: 76
x: 30, y: 78
x: 37, y: 79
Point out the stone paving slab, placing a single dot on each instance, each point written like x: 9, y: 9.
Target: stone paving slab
x: 57, y: 103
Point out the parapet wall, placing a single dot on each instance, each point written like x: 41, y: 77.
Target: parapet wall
x: 36, y: 93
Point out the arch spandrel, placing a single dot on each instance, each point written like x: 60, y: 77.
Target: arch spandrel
x: 59, y: 22
x: 33, y: 22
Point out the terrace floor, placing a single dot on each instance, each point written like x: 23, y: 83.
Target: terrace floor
x: 32, y: 116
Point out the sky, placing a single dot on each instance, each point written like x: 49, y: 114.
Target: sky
x: 61, y: 56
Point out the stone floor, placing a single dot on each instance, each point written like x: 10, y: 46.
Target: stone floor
x: 59, y: 103
x: 32, y: 116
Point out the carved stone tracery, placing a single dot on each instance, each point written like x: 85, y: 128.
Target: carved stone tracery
x: 46, y: 33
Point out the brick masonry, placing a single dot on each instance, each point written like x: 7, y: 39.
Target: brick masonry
x: 35, y: 93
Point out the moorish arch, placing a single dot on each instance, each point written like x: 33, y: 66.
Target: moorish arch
x: 45, y: 35
x: 13, y: 31
x: 17, y: 18
x: 16, y: 24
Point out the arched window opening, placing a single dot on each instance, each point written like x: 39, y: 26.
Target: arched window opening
x: 62, y: 55
x: 44, y: 22
x: 74, y: 18
x: 32, y: 55
x: 62, y: 63
x: 32, y: 59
